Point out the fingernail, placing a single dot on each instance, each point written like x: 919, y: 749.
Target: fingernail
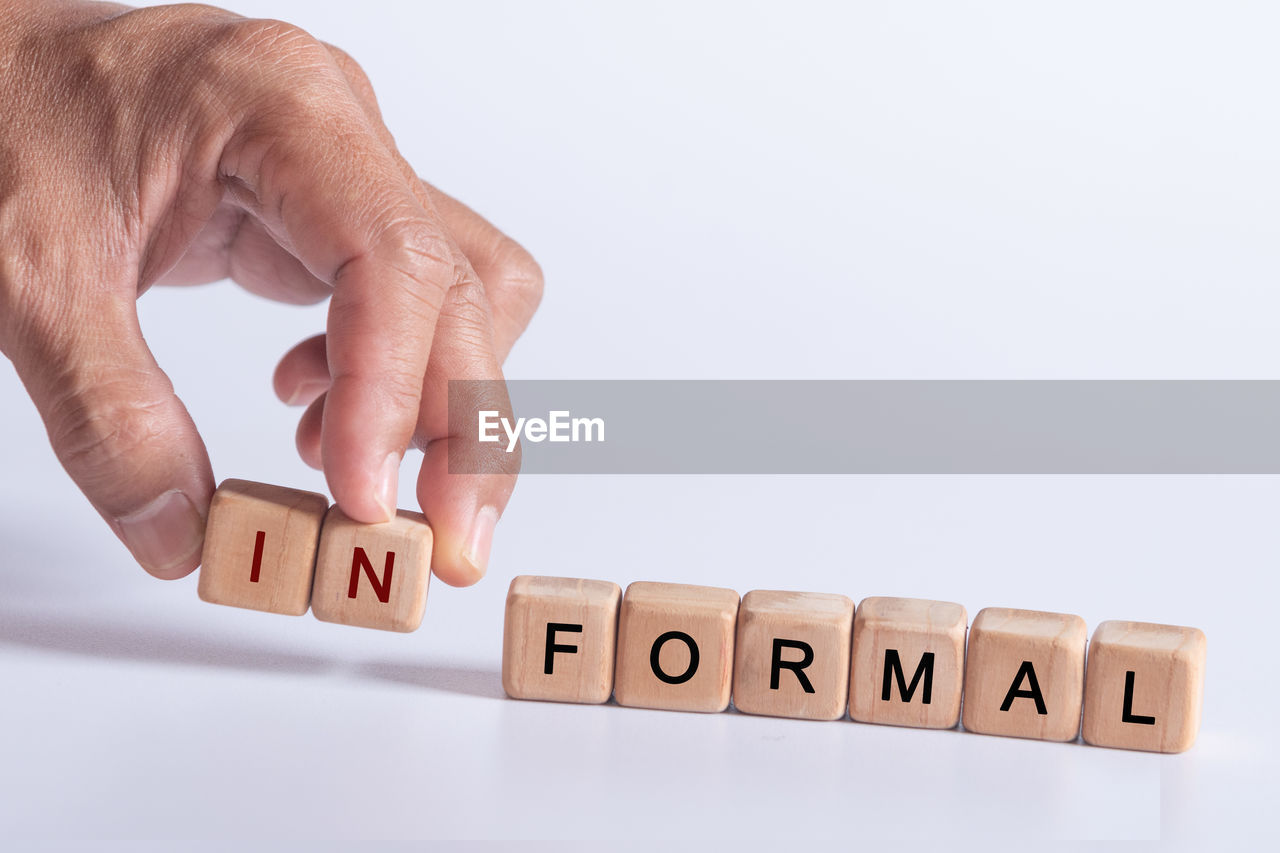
x: 476, y: 552
x: 388, y: 493
x: 163, y: 534
x: 306, y: 393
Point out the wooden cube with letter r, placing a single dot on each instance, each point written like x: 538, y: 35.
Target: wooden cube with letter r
x: 908, y: 662
x: 558, y: 639
x: 791, y: 656
x: 373, y: 575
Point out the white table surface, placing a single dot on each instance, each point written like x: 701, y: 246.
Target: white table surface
x: 719, y: 192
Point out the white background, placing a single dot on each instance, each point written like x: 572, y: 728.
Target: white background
x: 720, y: 191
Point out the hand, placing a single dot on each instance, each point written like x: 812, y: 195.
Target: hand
x: 185, y: 144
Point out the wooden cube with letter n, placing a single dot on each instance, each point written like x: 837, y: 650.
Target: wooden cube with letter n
x: 260, y: 547
x: 791, y: 656
x: 908, y: 662
x: 1025, y: 674
x: 675, y: 647
x: 373, y: 575
x: 1144, y: 686
x: 558, y: 639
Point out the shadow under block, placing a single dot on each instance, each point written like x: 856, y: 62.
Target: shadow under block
x: 373, y: 575
x: 791, y: 656
x: 559, y: 639
x: 1025, y: 674
x: 260, y: 547
x: 908, y: 662
x: 1144, y: 686
x: 675, y: 647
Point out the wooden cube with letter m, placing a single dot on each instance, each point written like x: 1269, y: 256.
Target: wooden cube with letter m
x: 908, y: 662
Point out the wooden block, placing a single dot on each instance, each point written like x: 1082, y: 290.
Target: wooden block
x: 908, y: 662
x: 791, y: 655
x: 559, y: 638
x: 1025, y: 674
x: 675, y: 647
x: 260, y: 547
x: 373, y: 575
x: 1144, y: 686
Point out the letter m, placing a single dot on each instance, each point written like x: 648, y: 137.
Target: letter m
x: 893, y: 669
x: 381, y: 586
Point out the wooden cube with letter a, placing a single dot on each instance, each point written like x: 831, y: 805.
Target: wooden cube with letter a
x: 908, y: 662
x: 260, y: 547
x: 373, y: 575
x: 791, y: 656
x: 1025, y: 674
x: 558, y: 639
x: 1143, y: 687
x: 675, y: 647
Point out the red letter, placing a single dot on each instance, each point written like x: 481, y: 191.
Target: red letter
x: 257, y: 556
x: 381, y: 588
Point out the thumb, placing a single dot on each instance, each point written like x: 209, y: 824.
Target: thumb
x: 121, y: 433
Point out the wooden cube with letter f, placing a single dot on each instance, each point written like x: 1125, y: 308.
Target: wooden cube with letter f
x: 558, y: 639
x: 373, y: 575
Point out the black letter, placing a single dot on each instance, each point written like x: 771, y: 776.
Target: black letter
x: 796, y: 666
x: 1129, y: 716
x: 656, y: 652
x: 1028, y: 672
x: 552, y: 648
x: 893, y: 667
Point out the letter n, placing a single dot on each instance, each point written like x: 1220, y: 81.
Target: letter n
x: 381, y: 586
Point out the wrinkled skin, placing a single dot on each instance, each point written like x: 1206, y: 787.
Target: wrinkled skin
x: 183, y: 144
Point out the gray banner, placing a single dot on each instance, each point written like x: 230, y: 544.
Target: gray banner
x: 867, y: 427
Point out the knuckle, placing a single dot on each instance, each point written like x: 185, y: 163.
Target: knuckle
x: 522, y: 276
x: 468, y: 311
x: 346, y: 62
x: 265, y: 39
x: 95, y: 432
x: 419, y: 251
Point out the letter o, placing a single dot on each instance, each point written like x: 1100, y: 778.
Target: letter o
x: 656, y: 652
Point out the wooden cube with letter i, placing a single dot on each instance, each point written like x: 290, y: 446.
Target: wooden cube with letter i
x: 260, y: 547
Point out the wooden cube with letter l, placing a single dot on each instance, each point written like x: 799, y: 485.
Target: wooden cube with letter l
x: 373, y: 575
x: 675, y: 647
x: 1025, y: 674
x: 1144, y: 686
x: 908, y: 662
x: 260, y: 547
x: 791, y: 655
x: 558, y: 639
